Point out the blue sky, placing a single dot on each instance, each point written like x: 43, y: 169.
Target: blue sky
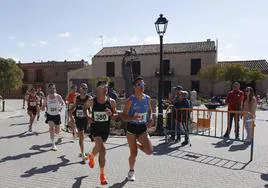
x: 33, y: 30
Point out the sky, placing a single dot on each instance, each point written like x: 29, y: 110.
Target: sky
x: 35, y: 30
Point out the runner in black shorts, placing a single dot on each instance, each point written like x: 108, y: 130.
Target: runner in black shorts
x: 138, y: 113
x: 103, y: 109
x: 80, y: 117
x: 53, y: 104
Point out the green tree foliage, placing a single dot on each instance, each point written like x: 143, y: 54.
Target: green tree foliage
x: 232, y: 72
x: 10, y: 75
x: 254, y: 75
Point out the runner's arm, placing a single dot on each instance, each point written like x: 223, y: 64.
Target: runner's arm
x: 125, y: 116
x: 88, y: 105
x: 114, y: 111
x: 149, y: 116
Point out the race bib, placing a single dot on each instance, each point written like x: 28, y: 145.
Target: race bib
x: 79, y: 113
x: 101, y: 116
x: 53, y: 109
x: 32, y: 103
x: 143, y: 118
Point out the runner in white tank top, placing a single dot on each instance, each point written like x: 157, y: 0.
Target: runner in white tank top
x: 53, y: 104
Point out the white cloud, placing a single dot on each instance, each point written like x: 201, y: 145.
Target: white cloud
x: 42, y: 43
x: 65, y: 35
x: 21, y: 45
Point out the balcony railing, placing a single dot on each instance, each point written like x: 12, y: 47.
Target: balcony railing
x: 169, y: 72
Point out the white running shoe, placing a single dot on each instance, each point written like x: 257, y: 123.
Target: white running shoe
x: 54, y: 147
x: 131, y: 176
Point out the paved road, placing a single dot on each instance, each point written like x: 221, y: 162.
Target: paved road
x: 27, y: 161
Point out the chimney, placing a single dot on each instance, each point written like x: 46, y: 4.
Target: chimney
x: 208, y: 40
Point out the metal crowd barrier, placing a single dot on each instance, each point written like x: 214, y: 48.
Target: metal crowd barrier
x: 208, y: 122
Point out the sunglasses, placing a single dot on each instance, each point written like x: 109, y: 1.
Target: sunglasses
x: 246, y: 90
x: 103, y: 86
x: 84, y: 88
x: 141, y: 84
x: 51, y: 88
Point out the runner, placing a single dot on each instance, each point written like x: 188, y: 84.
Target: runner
x: 41, y: 95
x: 138, y: 113
x: 70, y: 103
x: 53, y: 104
x: 80, y: 117
x: 103, y: 110
x: 33, y: 106
x: 26, y: 94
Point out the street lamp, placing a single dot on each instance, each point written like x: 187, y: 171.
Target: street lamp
x: 161, y: 27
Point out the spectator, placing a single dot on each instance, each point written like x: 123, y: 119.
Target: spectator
x: 181, y: 117
x: 234, y: 100
x: 112, y: 93
x: 250, y: 106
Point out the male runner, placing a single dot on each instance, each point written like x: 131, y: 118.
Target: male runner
x: 80, y: 117
x: 70, y: 103
x: 53, y: 104
x: 33, y: 106
x: 138, y: 112
x: 103, y: 109
x: 41, y: 96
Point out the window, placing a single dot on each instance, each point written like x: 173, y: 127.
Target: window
x: 39, y: 75
x: 166, y: 66
x: 110, y: 69
x: 195, y: 66
x: 196, y: 85
x: 136, y: 68
x: 25, y: 76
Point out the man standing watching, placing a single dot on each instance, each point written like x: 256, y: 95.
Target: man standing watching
x: 234, y: 100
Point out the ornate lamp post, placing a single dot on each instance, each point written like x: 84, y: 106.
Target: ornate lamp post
x: 161, y: 27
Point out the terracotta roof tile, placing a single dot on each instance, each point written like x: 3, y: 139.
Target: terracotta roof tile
x: 259, y: 64
x: 205, y: 46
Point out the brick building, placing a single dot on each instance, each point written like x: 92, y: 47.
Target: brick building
x: 42, y: 73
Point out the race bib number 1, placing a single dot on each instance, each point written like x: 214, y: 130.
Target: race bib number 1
x: 100, y: 116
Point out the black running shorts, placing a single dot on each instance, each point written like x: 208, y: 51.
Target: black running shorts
x: 136, y: 129
x: 100, y: 130
x: 55, y: 118
x: 81, y: 124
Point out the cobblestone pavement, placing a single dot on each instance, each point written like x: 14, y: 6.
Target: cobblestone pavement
x: 27, y: 161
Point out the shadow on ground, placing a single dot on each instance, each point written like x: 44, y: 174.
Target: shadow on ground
x: 14, y: 124
x: 49, y: 168
x: 38, y: 148
x: 78, y: 181
x: 178, y: 152
x: 119, y: 185
x: 23, y: 135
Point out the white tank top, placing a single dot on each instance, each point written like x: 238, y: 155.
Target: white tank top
x: 53, y: 105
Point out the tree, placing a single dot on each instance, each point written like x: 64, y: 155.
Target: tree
x: 211, y: 73
x: 233, y: 72
x: 10, y: 75
x: 254, y: 75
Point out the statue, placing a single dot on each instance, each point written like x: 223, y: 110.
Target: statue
x: 127, y: 73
